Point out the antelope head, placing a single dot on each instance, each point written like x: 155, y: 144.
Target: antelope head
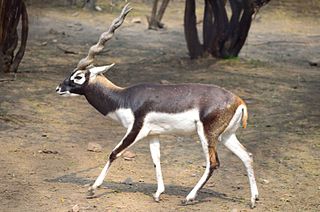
x: 86, y: 72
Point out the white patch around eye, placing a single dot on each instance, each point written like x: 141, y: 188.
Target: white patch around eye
x: 80, y: 75
x: 81, y: 80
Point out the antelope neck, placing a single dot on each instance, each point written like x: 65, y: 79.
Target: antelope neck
x: 104, y: 96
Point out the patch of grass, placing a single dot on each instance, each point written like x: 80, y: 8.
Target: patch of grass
x: 3, y: 111
x: 256, y: 63
x: 232, y: 58
x: 230, y: 61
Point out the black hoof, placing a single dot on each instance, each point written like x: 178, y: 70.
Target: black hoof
x: 188, y: 202
x: 156, y: 198
x: 90, y: 193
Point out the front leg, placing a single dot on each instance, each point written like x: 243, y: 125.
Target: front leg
x: 155, y: 154
x: 134, y: 134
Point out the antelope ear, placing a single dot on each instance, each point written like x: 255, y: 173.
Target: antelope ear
x: 100, y: 70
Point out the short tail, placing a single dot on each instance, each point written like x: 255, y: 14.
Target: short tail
x: 244, y: 116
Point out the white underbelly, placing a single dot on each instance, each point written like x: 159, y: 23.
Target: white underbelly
x: 171, y: 123
x: 156, y: 123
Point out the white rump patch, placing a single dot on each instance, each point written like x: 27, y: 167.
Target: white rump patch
x: 234, y: 124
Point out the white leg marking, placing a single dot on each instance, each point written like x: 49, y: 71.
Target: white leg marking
x: 105, y: 169
x: 143, y: 133
x: 101, y: 177
x: 155, y: 154
x: 192, y: 195
x: 232, y: 143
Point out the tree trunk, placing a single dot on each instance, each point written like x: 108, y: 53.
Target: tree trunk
x: 222, y: 38
x: 208, y: 26
x: 221, y: 23
x: 71, y: 2
x: 245, y: 23
x: 10, y: 13
x: 90, y: 4
x: 162, y: 9
x: 190, y: 30
x: 154, y: 20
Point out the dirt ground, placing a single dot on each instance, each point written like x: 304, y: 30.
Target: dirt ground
x: 272, y: 74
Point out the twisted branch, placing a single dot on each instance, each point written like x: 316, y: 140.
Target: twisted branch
x: 24, y: 38
x: 104, y: 37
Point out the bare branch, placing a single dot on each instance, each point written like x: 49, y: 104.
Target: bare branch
x: 104, y: 37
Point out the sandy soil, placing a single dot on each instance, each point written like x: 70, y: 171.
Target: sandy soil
x: 272, y: 74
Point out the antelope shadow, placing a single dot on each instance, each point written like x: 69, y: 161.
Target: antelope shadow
x: 142, y: 187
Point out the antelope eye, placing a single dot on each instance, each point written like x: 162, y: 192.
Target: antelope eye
x: 78, y: 77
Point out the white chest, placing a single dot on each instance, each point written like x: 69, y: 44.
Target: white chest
x: 124, y: 116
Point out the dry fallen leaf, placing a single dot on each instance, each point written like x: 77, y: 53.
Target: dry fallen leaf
x: 94, y: 147
x: 75, y: 208
x: 128, y: 155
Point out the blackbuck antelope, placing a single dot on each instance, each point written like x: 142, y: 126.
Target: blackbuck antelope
x: 149, y: 110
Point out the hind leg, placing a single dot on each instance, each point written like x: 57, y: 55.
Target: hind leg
x: 232, y: 143
x: 212, y: 163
